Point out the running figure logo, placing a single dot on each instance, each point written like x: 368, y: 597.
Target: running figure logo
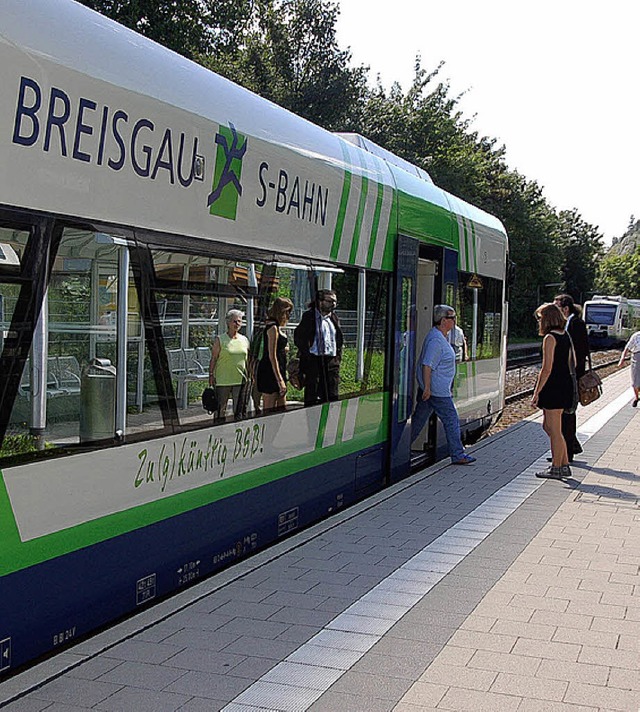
x: 223, y: 200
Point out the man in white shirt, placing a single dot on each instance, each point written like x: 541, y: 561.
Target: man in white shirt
x: 319, y: 340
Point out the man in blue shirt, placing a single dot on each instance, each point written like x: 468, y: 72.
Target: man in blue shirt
x: 435, y: 373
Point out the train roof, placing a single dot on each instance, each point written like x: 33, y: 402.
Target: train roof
x: 342, y: 197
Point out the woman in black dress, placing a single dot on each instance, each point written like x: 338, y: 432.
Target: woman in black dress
x: 554, y: 391
x: 272, y: 368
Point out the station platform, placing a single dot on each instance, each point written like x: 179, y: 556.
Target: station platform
x: 461, y: 588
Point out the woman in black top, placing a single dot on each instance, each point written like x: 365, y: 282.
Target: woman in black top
x: 554, y: 391
x: 272, y: 368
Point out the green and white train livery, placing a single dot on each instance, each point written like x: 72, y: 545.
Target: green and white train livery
x: 141, y: 198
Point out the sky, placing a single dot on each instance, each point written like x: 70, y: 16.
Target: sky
x: 555, y: 81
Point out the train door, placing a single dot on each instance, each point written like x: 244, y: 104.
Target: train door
x: 403, y: 357
x: 424, y: 446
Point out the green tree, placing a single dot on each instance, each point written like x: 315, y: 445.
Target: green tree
x: 620, y: 274
x: 426, y: 127
x: 583, y: 248
x: 288, y: 53
x: 184, y: 26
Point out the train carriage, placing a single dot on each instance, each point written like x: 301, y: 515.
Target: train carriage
x: 141, y: 197
x: 611, y: 320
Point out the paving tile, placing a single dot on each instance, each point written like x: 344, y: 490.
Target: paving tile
x: 298, y: 633
x: 458, y: 676
x: 405, y: 667
x: 150, y: 677
x: 586, y: 637
x: 503, y: 662
x: 425, y: 694
x: 574, y: 672
x: 535, y: 631
x: 480, y: 624
x: 202, y: 639
x: 142, y: 651
x: 548, y: 706
x: 202, y: 704
x: 331, y: 702
x: 559, y: 619
x: 607, y: 698
x: 252, y: 668
x: 76, y: 692
x: 304, y: 616
x: 256, y: 628
x: 544, y: 649
x: 131, y: 698
x: 92, y: 668
x: 303, y: 675
x: 529, y: 687
x: 216, y: 687
x: 614, y: 658
x: 484, y: 641
x: 624, y: 679
x: 374, y: 686
x: 212, y: 661
x: 462, y: 700
x: 261, y: 647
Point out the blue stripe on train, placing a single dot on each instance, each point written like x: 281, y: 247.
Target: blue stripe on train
x: 54, y: 603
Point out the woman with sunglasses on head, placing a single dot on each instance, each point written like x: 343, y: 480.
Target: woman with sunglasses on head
x: 435, y: 373
x: 554, y: 391
x: 272, y: 368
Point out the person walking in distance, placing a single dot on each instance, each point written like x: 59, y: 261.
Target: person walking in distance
x: 577, y: 330
x: 435, y: 372
x: 633, y: 348
x: 319, y: 340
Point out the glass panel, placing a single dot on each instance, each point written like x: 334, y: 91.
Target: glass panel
x: 405, y: 378
x: 201, y: 300
x: 376, y: 331
x: 600, y: 314
x: 18, y: 438
x: 81, y: 344
x: 479, y: 312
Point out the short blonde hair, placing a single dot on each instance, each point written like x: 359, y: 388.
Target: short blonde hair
x: 549, y: 318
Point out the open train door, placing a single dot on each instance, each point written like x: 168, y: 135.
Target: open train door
x: 404, y: 332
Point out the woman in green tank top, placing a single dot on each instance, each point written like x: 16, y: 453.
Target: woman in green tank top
x: 228, y: 367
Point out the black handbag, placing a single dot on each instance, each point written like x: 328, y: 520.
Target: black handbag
x: 210, y: 400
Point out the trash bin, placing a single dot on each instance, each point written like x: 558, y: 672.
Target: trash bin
x: 98, y: 401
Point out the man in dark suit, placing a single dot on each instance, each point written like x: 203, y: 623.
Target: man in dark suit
x: 319, y: 340
x: 577, y: 330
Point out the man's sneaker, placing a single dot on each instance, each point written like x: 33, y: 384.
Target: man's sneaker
x: 565, y: 471
x: 551, y: 473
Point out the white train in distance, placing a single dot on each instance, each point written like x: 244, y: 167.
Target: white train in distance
x: 611, y: 320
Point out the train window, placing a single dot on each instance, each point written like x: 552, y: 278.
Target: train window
x: 124, y: 344
x: 17, y: 438
x: 480, y: 314
x: 76, y: 328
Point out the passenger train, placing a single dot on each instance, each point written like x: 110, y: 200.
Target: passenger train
x: 142, y: 197
x: 611, y: 320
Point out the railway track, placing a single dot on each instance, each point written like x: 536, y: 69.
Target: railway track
x: 521, y: 382
x: 601, y: 360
